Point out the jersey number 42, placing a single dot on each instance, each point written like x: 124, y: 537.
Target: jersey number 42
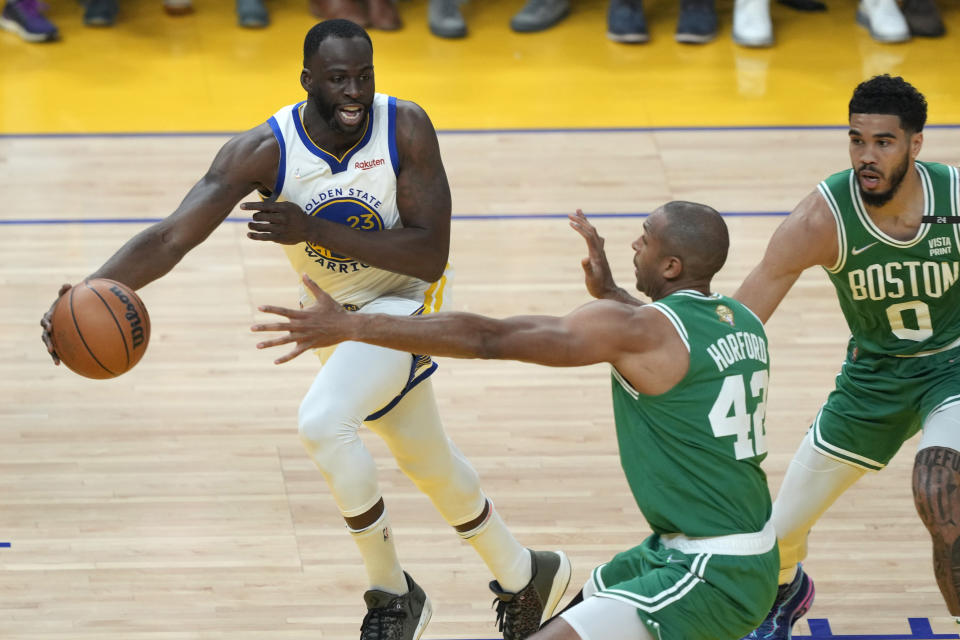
x: 729, y: 416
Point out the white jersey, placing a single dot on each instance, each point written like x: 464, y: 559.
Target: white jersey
x: 358, y: 189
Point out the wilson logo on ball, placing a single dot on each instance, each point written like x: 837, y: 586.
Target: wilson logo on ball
x: 100, y: 328
x: 131, y: 316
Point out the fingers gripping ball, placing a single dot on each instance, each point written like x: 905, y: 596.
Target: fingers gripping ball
x: 100, y: 328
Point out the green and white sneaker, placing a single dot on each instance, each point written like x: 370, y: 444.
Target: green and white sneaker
x: 519, y: 615
x: 393, y: 617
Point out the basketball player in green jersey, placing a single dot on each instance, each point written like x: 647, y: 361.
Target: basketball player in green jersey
x: 882, y: 232
x: 689, y: 382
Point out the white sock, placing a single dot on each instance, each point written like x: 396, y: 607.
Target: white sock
x: 380, y: 556
x: 506, y: 558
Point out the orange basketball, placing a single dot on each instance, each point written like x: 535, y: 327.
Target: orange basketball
x: 100, y: 328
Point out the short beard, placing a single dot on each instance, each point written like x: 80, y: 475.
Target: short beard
x: 896, y: 179
x: 327, y: 113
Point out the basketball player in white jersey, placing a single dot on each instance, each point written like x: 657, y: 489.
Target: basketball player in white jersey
x: 353, y: 185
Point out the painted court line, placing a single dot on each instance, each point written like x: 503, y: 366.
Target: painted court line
x: 471, y: 132
x: 919, y: 630
x: 464, y: 216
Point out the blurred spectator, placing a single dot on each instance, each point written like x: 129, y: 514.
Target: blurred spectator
x: 752, y: 26
x: 26, y: 19
x: 383, y: 15
x: 884, y: 21
x: 252, y: 14
x: 100, y: 13
x: 923, y: 18
x: 537, y: 15
x: 445, y: 19
x: 352, y: 10
x: 626, y: 22
x: 379, y: 14
x: 882, y: 18
x: 177, y: 7
x: 696, y: 24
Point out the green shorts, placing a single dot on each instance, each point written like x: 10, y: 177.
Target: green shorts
x: 881, y: 401
x: 681, y: 596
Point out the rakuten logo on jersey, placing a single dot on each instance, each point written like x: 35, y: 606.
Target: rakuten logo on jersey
x: 363, y: 165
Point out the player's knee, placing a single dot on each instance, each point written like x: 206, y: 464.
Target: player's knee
x: 324, y: 427
x: 936, y: 480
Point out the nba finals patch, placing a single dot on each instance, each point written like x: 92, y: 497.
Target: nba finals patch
x: 725, y: 314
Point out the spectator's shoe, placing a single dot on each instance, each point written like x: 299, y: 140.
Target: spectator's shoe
x: 538, y: 15
x: 393, y: 617
x: 697, y: 22
x: 626, y: 21
x: 352, y: 10
x: 251, y: 14
x: 884, y: 20
x: 804, y: 5
x: 793, y: 601
x: 752, y: 26
x: 25, y: 18
x: 178, y: 7
x: 446, y: 20
x: 923, y: 18
x: 384, y: 15
x: 100, y: 13
x: 520, y: 614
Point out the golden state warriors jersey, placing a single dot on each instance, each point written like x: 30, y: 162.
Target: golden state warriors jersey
x: 358, y: 189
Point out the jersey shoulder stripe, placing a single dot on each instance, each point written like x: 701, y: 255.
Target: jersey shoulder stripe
x: 834, y: 207
x: 675, y: 321
x: 282, y: 167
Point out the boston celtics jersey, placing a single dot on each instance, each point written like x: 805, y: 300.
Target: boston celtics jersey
x: 692, y: 455
x: 898, y: 296
x: 358, y: 189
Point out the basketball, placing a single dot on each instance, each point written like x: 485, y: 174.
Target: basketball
x: 100, y: 328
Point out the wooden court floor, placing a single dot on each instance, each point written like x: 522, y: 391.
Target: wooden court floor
x: 175, y: 502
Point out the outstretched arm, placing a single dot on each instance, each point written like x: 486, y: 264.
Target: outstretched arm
x: 601, y: 331
x: 243, y: 164
x: 596, y: 268
x: 246, y: 162
x: 808, y: 237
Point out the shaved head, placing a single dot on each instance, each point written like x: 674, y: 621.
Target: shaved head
x: 697, y: 234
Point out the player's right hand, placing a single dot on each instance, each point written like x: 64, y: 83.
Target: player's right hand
x: 596, y: 269
x: 47, y: 323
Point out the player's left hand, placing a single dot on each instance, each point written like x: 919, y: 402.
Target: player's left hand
x: 596, y: 269
x: 280, y: 222
x: 319, y: 325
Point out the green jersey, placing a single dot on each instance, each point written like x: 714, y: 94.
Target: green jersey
x: 898, y: 296
x: 692, y: 455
